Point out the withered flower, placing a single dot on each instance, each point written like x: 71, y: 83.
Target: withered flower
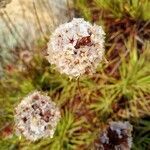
x: 117, y: 136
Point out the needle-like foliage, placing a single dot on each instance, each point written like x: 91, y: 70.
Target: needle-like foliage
x: 118, y: 91
x: 136, y: 9
x: 134, y: 74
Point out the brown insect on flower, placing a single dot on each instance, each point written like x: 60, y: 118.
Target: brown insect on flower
x: 83, y: 42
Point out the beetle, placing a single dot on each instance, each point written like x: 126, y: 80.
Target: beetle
x: 83, y: 42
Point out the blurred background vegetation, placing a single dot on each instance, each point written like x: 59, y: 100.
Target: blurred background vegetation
x: 119, y: 90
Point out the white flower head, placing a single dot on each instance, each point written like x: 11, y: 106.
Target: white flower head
x: 76, y: 48
x: 117, y: 136
x: 36, y: 117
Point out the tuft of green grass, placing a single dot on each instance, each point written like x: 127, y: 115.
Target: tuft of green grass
x: 135, y: 9
x: 82, y: 5
x: 141, y: 136
x: 103, y: 104
x: 134, y: 74
x: 133, y: 82
x: 72, y: 133
x: 11, y: 143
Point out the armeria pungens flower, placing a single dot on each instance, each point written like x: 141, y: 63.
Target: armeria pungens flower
x: 76, y: 48
x: 36, y: 116
x: 117, y: 136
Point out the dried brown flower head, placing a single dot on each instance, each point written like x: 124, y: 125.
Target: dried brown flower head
x: 116, y: 137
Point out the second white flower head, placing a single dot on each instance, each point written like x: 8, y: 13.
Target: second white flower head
x: 36, y: 117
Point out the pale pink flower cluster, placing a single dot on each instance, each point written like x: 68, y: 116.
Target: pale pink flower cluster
x: 76, y: 48
x: 36, y: 117
x: 117, y: 136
